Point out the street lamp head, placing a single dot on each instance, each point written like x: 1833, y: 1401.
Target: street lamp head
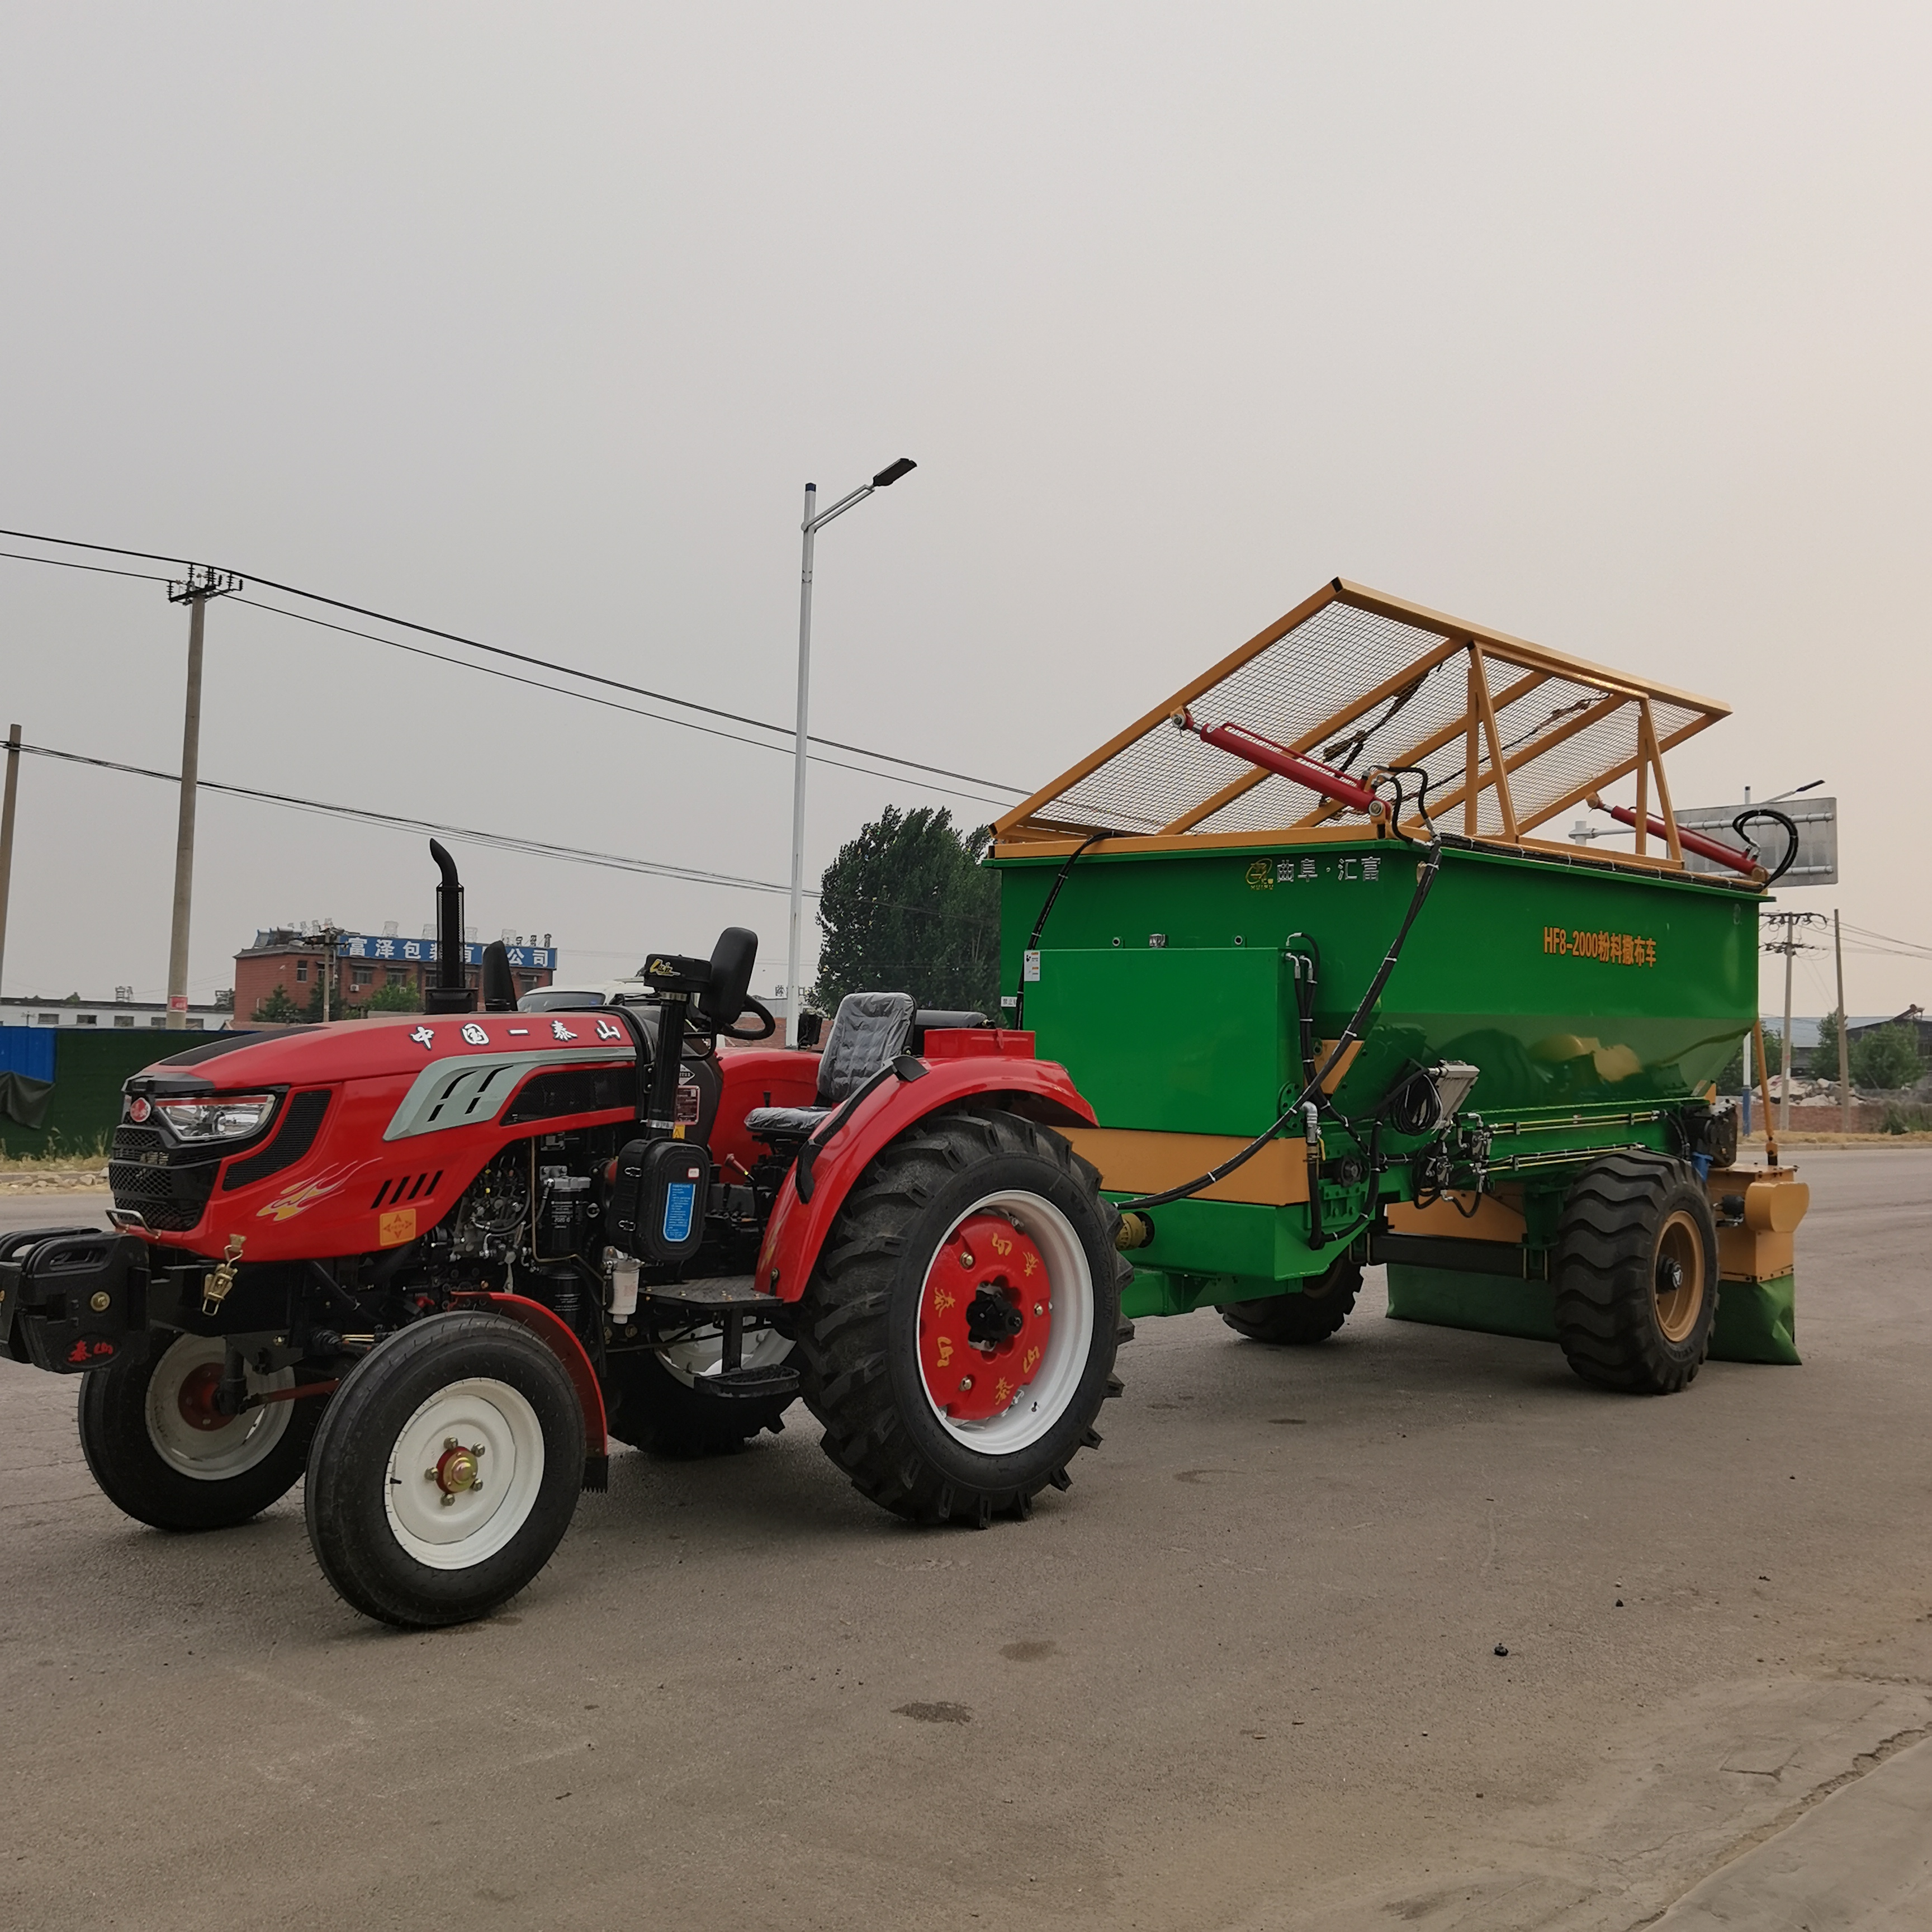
x: 893, y: 472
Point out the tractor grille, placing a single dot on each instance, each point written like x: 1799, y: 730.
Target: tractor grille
x: 169, y: 1198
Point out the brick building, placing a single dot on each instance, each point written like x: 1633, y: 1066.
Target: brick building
x: 295, y: 960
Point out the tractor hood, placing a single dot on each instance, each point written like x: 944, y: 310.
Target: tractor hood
x: 374, y: 1127
x: 372, y: 1049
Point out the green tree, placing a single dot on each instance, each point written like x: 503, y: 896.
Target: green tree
x: 277, y: 1006
x: 399, y: 996
x: 1824, y: 1055
x: 1887, y: 1058
x: 906, y: 907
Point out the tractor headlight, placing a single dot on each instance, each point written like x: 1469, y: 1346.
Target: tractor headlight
x: 230, y: 1118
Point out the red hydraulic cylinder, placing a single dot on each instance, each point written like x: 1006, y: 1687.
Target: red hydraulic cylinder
x: 1240, y: 742
x: 1691, y: 841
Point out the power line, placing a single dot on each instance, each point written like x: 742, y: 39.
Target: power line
x: 500, y: 842
x: 608, y: 704
x: 520, y: 657
x: 98, y: 569
x: 1908, y: 948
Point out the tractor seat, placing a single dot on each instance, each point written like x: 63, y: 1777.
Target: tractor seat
x: 869, y: 1031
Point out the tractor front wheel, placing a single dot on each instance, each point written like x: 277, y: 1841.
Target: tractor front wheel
x: 1312, y: 1313
x: 445, y: 1471
x: 957, y: 1337
x: 163, y: 1451
x: 1636, y: 1275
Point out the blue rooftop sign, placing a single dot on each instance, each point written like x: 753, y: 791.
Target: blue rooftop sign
x: 357, y: 946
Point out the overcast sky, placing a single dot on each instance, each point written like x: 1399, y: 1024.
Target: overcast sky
x: 1607, y: 328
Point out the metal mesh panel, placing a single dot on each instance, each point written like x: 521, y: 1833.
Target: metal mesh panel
x: 1328, y: 661
x: 1326, y: 667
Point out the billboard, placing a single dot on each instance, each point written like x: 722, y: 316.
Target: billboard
x: 359, y: 946
x: 1816, y: 819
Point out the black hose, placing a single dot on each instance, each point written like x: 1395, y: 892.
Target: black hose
x: 1425, y: 878
x: 1744, y: 818
x: 1040, y: 924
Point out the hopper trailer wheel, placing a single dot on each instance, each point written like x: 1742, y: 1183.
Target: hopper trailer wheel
x: 1636, y: 1275
x: 655, y: 1405
x: 162, y: 1451
x: 1312, y: 1314
x: 445, y: 1471
x: 957, y: 1337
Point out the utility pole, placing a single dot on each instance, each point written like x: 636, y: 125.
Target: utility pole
x: 1790, y: 945
x: 7, y: 833
x: 203, y: 582
x: 1844, y: 1045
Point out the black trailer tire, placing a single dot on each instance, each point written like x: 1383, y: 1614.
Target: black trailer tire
x: 1635, y: 1271
x: 391, y: 1449
x: 160, y: 1451
x: 652, y: 1409
x: 866, y: 1346
x: 1311, y: 1314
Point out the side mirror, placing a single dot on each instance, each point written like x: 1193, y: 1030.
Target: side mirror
x: 499, y: 985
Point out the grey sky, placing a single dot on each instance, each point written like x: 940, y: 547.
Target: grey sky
x: 1608, y: 329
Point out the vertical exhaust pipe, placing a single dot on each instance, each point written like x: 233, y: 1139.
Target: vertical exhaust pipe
x: 449, y: 994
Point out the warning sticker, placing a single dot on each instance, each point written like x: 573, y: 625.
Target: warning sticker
x: 396, y: 1227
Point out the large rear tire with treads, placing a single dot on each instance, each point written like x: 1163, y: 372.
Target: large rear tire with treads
x: 957, y: 1338
x: 1635, y: 1271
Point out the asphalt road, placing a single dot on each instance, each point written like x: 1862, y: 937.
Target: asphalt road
x: 1244, y: 1675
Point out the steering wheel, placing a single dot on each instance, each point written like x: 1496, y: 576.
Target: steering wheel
x: 764, y: 1032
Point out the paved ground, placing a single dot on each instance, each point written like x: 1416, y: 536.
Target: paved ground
x: 1242, y: 1676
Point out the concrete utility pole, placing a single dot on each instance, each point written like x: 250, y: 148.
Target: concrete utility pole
x: 7, y: 833
x: 1789, y: 945
x: 201, y: 584
x: 1844, y: 1045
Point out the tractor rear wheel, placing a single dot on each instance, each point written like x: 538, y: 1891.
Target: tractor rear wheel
x: 445, y: 1471
x: 1311, y: 1314
x: 162, y: 1451
x: 1636, y: 1275
x: 656, y: 1404
x: 957, y: 1337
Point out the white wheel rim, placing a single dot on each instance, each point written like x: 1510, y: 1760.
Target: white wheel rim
x: 211, y: 1455
x: 701, y: 1353
x: 1045, y: 1399
x: 476, y: 1523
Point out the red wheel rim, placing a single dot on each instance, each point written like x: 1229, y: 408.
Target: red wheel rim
x: 986, y: 1315
x: 196, y: 1400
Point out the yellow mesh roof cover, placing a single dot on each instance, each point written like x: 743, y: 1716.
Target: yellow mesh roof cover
x: 1363, y: 681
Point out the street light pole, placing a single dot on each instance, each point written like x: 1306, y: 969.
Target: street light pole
x: 792, y: 1006
x: 811, y: 524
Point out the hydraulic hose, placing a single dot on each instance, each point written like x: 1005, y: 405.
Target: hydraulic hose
x: 1425, y: 878
x: 1040, y: 924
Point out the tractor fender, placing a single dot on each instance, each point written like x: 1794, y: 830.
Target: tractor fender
x: 557, y: 1337
x: 1040, y: 1089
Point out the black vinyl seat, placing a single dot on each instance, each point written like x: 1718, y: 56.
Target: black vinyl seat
x: 869, y: 1031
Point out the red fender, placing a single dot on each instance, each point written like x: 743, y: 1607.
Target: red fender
x: 996, y: 1065
x: 557, y: 1336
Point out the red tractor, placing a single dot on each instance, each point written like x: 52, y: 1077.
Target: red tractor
x: 436, y: 1263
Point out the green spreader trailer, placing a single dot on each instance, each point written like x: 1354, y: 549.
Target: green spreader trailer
x: 1335, y: 1004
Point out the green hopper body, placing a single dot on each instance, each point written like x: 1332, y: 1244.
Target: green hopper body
x: 1596, y: 1001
